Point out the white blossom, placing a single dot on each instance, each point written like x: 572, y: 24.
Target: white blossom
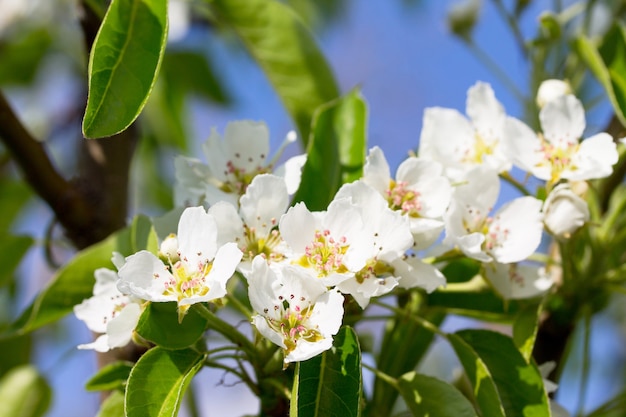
x: 326, y: 244
x: 459, y: 143
x: 295, y: 311
x: 419, y: 191
x: 254, y: 225
x: 232, y: 164
x: 199, y: 275
x: 512, y: 234
x: 517, y: 281
x: 109, y: 312
x: 557, y: 153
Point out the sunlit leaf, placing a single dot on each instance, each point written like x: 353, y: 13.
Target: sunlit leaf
x: 426, y: 396
x: 110, y: 377
x: 158, y: 382
x: 74, y: 282
x: 113, y: 406
x: 336, y: 154
x: 124, y: 64
x: 484, y: 388
x: 519, y: 383
x: 525, y: 329
x: 159, y: 325
x: 329, y: 385
x: 24, y: 393
x: 285, y: 49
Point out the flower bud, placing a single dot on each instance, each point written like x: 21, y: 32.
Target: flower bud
x: 550, y: 90
x: 169, y: 249
x: 564, y: 211
x: 462, y: 17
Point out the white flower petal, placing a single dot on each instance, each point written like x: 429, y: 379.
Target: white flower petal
x: 144, y: 276
x: 518, y: 225
x: 563, y: 120
x: 120, y: 329
x: 376, y: 172
x: 264, y: 202
x: 197, y: 236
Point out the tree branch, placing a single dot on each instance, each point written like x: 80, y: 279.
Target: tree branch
x: 69, y: 206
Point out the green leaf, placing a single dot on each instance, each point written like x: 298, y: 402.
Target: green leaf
x: 124, y: 64
x: 113, y: 406
x: 330, y: 384
x: 193, y: 73
x: 24, y: 393
x: 74, y: 282
x: 404, y: 344
x: 336, y: 154
x: 13, y: 196
x: 143, y: 235
x: 608, y: 63
x: 485, y: 390
x: 525, y: 329
x: 159, y: 380
x: 519, y: 383
x: 429, y: 397
x: 110, y: 377
x: 21, y: 56
x: 473, y: 299
x: 12, y: 250
x: 285, y: 49
x: 159, y: 324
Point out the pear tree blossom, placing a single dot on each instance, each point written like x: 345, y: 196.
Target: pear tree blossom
x: 386, y: 238
x: 232, y: 163
x: 460, y: 143
x: 199, y: 272
x: 254, y: 225
x: 326, y: 244
x: 518, y: 280
x: 558, y: 153
x: 419, y: 191
x: 293, y: 310
x: 109, y: 312
x: 511, y: 234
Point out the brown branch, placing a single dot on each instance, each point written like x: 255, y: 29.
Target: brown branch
x: 69, y: 206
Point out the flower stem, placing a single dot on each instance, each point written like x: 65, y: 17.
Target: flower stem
x: 584, y: 377
x: 226, y: 330
x: 515, y: 183
x: 419, y: 320
x: 483, y: 57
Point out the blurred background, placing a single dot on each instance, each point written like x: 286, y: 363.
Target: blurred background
x: 401, y: 54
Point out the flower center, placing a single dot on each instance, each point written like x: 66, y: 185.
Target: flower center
x: 494, y: 233
x: 239, y: 178
x: 325, y: 254
x: 374, y: 269
x: 264, y: 245
x: 558, y: 157
x: 481, y: 149
x: 187, y: 283
x: 402, y: 198
x: 292, y: 324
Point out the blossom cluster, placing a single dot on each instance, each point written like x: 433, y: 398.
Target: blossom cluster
x: 301, y: 265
